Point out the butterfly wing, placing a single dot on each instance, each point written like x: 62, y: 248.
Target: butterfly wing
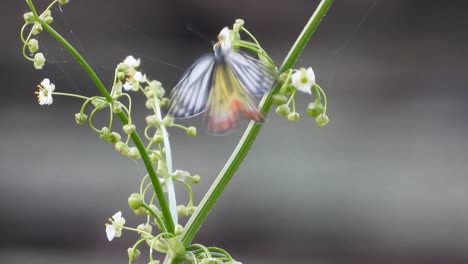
x: 190, y: 95
x: 229, y: 97
x: 254, y: 75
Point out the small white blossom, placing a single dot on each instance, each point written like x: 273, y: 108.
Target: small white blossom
x: 137, y: 76
x: 128, y: 86
x: 115, y: 229
x: 303, y: 80
x: 131, y: 62
x: 44, y: 93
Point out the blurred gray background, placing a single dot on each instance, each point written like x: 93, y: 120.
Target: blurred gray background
x: 385, y: 182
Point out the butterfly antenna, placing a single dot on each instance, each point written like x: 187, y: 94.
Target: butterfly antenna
x: 191, y: 28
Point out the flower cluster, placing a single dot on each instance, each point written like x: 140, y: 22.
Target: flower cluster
x: 301, y: 80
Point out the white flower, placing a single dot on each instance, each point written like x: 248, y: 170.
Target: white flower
x: 115, y: 229
x: 137, y: 76
x: 131, y: 62
x: 44, y: 92
x: 303, y: 80
x: 128, y: 86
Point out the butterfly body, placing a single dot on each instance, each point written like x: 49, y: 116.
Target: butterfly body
x: 225, y: 85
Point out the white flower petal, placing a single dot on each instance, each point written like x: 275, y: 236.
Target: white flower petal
x: 110, y: 232
x: 117, y: 216
x: 45, y: 83
x: 130, y: 61
x: 127, y: 86
x: 137, y: 76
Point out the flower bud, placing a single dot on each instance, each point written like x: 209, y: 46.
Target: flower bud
x: 149, y: 103
x: 33, y: 45
x: 182, y: 211
x: 80, y: 118
x: 104, y: 133
x: 63, y: 2
x: 152, y: 120
x: 133, y: 254
x: 164, y: 102
x: 49, y: 20
x: 134, y: 153
x: 279, y: 99
x: 322, y: 120
x: 176, y: 249
x: 315, y: 109
x: 283, y: 110
x: 238, y: 25
x: 154, y: 157
x: 129, y: 128
x: 168, y: 121
x: 179, y: 230
x: 98, y: 102
x: 191, y: 131
x: 46, y: 14
x: 196, y: 179
x: 36, y: 29
x: 294, y: 116
x: 39, y: 61
x: 116, y: 107
x: 147, y: 228
x: 158, y: 138
x: 114, y: 137
x: 135, y: 201
x: 122, y: 148
x: 28, y: 17
x: 121, y: 76
x: 191, y: 210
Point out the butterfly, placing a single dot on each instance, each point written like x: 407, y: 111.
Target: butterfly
x: 225, y: 85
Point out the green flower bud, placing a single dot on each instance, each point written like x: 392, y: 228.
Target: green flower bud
x: 322, y: 120
x: 315, y: 109
x: 28, y: 17
x: 168, y: 121
x: 104, y: 133
x: 33, y: 45
x: 283, y: 110
x: 154, y: 157
x: 179, y: 230
x: 279, y: 99
x: 191, y: 210
x: 116, y: 107
x: 121, y: 76
x: 160, y: 92
x: 164, y: 102
x: 191, y: 131
x: 176, y: 249
x: 155, y: 84
x: 134, y: 153
x: 63, y: 2
x: 135, y: 201
x: 146, y: 228
x: 149, y: 103
x: 39, y: 61
x: 122, y: 148
x: 196, y: 179
x: 80, y: 118
x: 182, y: 211
x: 122, y: 67
x: 46, y: 14
x: 49, y: 20
x: 133, y: 254
x: 37, y: 28
x: 98, y: 102
x: 114, y: 137
x: 158, y: 138
x: 152, y: 120
x: 129, y: 128
x: 238, y: 25
x: 294, y: 116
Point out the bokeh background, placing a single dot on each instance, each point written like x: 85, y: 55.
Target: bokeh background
x: 385, y: 182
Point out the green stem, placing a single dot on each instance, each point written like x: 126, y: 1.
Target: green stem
x: 123, y: 118
x: 242, y: 148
